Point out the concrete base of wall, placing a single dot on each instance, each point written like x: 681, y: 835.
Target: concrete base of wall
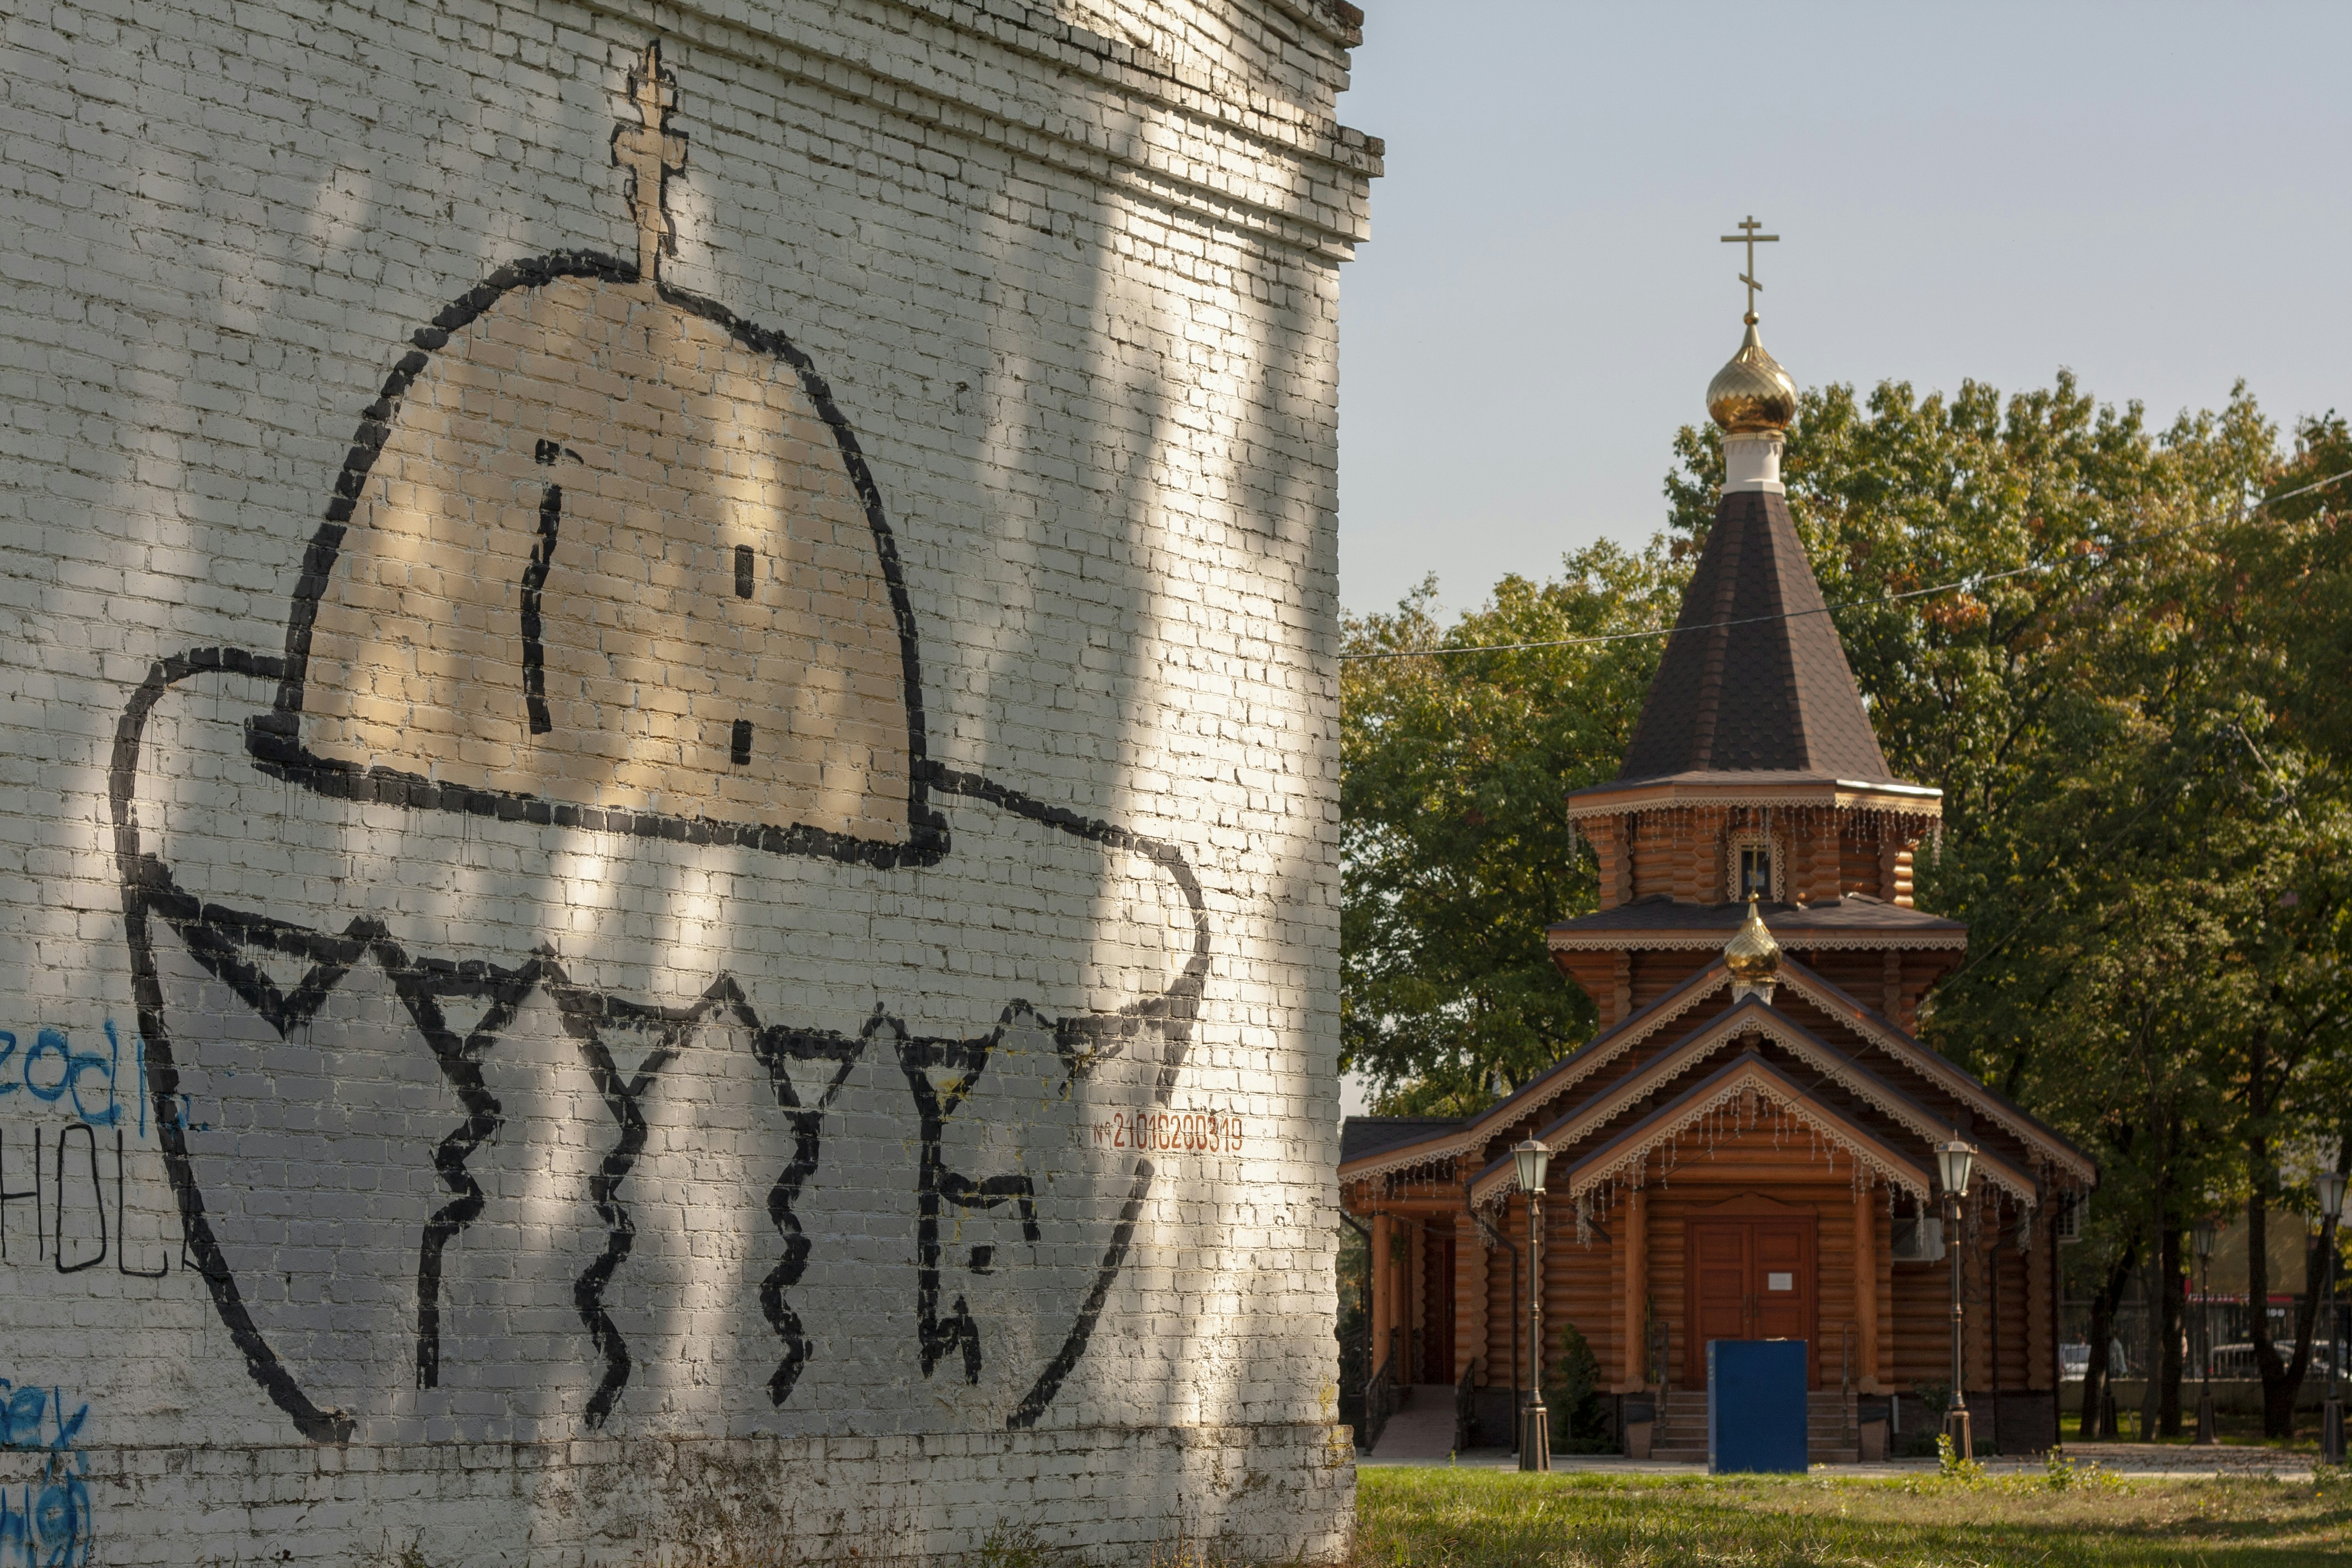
x: 1251, y: 1493
x: 2025, y: 1423
x: 1493, y: 1418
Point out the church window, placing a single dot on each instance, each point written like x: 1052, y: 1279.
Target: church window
x: 1751, y: 864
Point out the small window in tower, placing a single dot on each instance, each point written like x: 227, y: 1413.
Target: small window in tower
x: 1755, y: 871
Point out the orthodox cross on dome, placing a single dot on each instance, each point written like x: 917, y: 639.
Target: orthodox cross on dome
x: 650, y: 152
x: 1751, y: 239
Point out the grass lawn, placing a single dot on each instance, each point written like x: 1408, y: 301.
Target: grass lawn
x: 1474, y: 1519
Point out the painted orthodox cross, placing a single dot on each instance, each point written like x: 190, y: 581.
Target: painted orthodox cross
x: 651, y: 153
x: 1751, y: 239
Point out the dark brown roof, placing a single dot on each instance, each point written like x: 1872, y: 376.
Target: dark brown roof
x: 1771, y: 690
x: 1363, y: 1135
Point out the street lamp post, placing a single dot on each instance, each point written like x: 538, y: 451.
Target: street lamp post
x: 1535, y: 1422
x: 2203, y: 1234
x: 2330, y: 1189
x: 1953, y: 1161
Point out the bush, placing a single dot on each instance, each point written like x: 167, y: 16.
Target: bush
x: 1579, y: 1418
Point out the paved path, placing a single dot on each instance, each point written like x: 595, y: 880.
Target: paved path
x: 1422, y: 1432
x: 2134, y: 1460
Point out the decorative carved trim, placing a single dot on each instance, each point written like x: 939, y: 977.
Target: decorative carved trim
x: 1842, y: 1071
x: 1752, y: 1076
x: 1600, y: 1053
x: 1925, y: 807
x: 2077, y: 1168
x: 1797, y: 938
x: 1439, y: 1162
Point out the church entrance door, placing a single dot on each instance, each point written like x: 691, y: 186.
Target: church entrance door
x: 1750, y: 1278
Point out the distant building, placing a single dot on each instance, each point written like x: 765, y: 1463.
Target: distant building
x: 1746, y: 1150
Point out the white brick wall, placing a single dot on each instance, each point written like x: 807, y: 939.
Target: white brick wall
x: 404, y: 1159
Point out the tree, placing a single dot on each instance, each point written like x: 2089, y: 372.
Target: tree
x: 1580, y: 1420
x: 2131, y: 700
x: 1456, y: 845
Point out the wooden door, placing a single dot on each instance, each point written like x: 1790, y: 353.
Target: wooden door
x: 1750, y: 1278
x: 1720, y: 1265
x: 1783, y: 1282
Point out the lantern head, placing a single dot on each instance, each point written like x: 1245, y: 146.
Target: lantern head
x: 1954, y: 1160
x: 1534, y: 1159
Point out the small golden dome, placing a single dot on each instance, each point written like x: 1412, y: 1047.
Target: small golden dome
x: 1752, y: 393
x: 1752, y: 955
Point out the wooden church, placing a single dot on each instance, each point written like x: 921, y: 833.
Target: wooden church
x: 1736, y: 1155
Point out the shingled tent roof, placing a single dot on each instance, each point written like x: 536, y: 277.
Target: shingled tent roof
x: 1771, y: 690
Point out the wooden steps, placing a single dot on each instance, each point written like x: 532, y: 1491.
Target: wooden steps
x: 1829, y: 1437
x: 1681, y: 1435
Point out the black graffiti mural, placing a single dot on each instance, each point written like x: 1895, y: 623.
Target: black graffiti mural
x: 625, y: 1044
x: 962, y: 1061
x: 534, y: 694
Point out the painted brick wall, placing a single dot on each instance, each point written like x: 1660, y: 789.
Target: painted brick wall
x: 668, y: 874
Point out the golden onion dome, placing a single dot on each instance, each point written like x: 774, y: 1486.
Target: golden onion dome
x: 1752, y: 955
x: 1752, y: 394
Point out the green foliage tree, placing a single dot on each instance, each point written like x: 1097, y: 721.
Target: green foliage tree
x: 1455, y: 833
x: 2131, y: 700
x: 1579, y: 1418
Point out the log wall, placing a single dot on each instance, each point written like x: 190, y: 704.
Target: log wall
x: 1602, y: 1286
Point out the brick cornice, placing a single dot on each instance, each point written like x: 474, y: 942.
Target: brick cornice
x: 1320, y: 211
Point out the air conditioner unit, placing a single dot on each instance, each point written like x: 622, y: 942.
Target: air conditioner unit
x: 1918, y: 1239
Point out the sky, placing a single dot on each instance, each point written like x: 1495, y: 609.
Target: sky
x: 2155, y: 196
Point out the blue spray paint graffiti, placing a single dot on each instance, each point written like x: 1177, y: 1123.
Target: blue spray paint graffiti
x: 45, y: 1523
x: 71, y: 1068
x: 64, y: 1184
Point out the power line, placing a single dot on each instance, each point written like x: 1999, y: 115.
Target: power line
x: 1711, y: 626
x: 1970, y: 582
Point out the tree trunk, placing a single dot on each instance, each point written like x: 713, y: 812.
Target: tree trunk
x: 2175, y: 1308
x: 2151, y: 1388
x: 2306, y: 1318
x: 2103, y: 1332
x: 2282, y: 1377
x: 2278, y: 1391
